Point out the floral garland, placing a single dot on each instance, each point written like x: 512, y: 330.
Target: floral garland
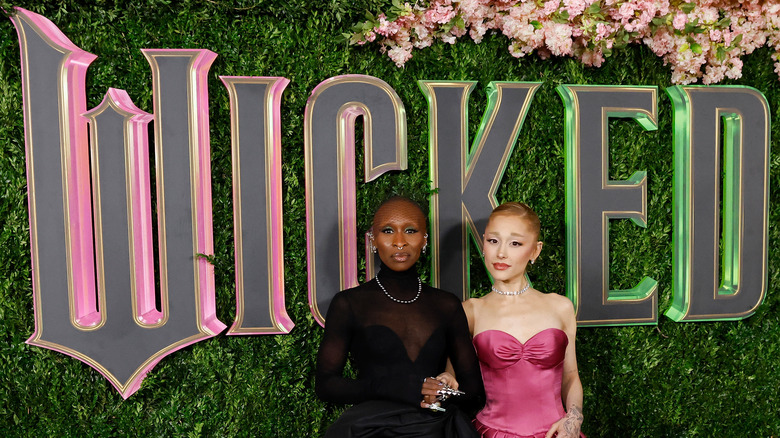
x: 703, y: 40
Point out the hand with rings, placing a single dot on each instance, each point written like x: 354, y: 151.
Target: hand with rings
x: 448, y: 379
x: 435, y: 391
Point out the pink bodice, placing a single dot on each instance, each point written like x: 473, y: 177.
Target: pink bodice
x: 522, y: 382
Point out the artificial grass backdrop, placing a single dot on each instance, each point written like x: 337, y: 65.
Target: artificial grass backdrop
x: 675, y: 380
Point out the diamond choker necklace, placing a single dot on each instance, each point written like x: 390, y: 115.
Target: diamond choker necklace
x: 501, y: 292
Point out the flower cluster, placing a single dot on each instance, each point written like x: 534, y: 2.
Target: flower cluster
x: 702, y: 40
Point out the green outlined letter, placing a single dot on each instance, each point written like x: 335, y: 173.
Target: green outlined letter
x: 592, y: 200
x: 721, y: 136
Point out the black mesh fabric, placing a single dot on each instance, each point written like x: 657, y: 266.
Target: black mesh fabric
x: 392, y: 345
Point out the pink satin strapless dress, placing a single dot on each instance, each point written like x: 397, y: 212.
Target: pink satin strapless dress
x: 522, y: 383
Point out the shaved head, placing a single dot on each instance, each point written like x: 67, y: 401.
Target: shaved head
x: 399, y: 208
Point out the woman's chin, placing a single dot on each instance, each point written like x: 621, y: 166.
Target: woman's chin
x: 399, y: 264
x: 504, y: 276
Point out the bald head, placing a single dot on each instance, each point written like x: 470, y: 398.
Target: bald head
x: 402, y: 209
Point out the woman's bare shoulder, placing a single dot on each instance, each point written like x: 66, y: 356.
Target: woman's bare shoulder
x: 560, y: 303
x: 471, y: 304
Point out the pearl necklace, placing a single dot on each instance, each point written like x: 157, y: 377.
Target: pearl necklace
x: 419, y: 289
x: 514, y: 292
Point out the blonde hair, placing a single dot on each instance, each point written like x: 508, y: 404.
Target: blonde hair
x: 522, y: 211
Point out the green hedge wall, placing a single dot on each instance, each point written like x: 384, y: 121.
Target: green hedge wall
x: 671, y: 380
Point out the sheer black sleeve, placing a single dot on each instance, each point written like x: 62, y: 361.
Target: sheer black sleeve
x: 330, y: 384
x: 378, y: 377
x: 464, y: 359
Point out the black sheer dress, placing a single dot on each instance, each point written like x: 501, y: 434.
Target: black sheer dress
x: 394, y: 346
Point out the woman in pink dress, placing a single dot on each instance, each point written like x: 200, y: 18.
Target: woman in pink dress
x: 525, y: 339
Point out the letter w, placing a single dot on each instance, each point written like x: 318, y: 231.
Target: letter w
x: 104, y: 310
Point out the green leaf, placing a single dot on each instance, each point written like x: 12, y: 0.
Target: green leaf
x: 720, y: 53
x: 687, y: 7
x: 594, y: 8
x: 696, y: 48
x: 211, y: 258
x: 536, y: 24
x: 459, y: 22
x: 691, y: 27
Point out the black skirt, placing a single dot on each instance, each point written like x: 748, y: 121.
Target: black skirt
x: 388, y: 419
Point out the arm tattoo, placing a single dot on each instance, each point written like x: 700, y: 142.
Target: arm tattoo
x: 571, y: 426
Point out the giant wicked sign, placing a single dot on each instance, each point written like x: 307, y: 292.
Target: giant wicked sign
x: 96, y: 297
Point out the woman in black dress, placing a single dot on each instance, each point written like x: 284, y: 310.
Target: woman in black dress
x: 398, y: 332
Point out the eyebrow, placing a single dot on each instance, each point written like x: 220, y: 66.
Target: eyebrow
x: 492, y: 233
x: 392, y: 224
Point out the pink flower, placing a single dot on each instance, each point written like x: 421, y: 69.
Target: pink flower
x: 662, y: 7
x: 439, y: 14
x: 448, y: 38
x: 516, y: 51
x: 727, y: 38
x: 574, y: 8
x: 477, y: 32
x: 470, y: 7
x: 661, y: 43
x: 403, y: 37
x: 713, y: 74
x: 682, y: 77
x: 423, y: 42
x: 602, y: 31
x: 420, y: 31
x: 518, y: 30
x: 715, y: 35
x: 708, y: 15
x: 511, y: 27
x: 593, y: 59
x: 679, y: 21
x: 530, y: 27
x: 735, y: 72
x: 550, y: 7
x: 399, y: 55
x: 386, y: 28
x: 458, y: 32
x: 626, y: 11
x: 558, y: 38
